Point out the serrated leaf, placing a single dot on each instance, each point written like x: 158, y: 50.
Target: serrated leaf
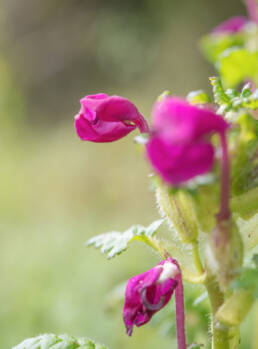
x: 220, y: 96
x: 236, y: 65
x: 52, y: 341
x: 230, y: 100
x: 115, y: 242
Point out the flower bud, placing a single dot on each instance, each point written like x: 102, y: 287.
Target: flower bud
x: 225, y: 254
x: 149, y: 292
x: 179, y: 148
x: 104, y: 118
x: 178, y: 208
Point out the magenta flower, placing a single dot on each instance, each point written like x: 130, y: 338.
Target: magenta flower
x: 179, y: 147
x: 104, y: 118
x: 149, y: 292
x: 231, y: 25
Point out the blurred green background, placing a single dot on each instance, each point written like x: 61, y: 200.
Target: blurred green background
x: 57, y: 191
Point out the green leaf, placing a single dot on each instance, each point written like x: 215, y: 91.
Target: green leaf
x: 52, y: 341
x: 230, y: 100
x: 236, y: 65
x: 247, y: 280
x: 214, y: 44
x: 220, y: 96
x: 198, y: 97
x: 115, y: 242
x: 246, y: 205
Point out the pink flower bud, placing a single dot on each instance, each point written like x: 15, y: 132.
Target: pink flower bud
x: 179, y: 147
x: 149, y: 292
x: 104, y: 118
x: 231, y: 25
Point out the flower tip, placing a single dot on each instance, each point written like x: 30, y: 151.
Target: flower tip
x: 169, y: 271
x: 129, y: 330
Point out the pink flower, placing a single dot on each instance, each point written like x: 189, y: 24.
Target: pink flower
x: 149, y: 292
x: 104, y: 118
x: 231, y: 25
x: 179, y: 147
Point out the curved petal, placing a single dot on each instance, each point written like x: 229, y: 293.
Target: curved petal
x: 179, y: 163
x: 100, y: 131
x: 179, y: 122
x: 92, y: 101
x: 121, y: 109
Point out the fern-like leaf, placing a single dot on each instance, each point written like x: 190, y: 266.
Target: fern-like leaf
x: 115, y: 242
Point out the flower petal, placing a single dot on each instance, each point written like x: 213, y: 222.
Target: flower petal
x: 179, y: 163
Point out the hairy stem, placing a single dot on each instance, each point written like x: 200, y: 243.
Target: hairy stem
x: 252, y: 9
x: 224, y: 212
x: 220, y: 333
x: 197, y: 259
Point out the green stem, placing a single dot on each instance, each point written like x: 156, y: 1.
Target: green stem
x: 197, y: 258
x: 220, y: 336
x: 220, y: 332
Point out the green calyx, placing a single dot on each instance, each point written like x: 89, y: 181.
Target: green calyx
x: 178, y: 208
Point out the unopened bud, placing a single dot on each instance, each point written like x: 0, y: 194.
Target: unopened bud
x: 225, y: 255
x: 178, y: 208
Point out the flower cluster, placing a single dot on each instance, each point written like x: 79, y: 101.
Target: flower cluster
x: 179, y: 146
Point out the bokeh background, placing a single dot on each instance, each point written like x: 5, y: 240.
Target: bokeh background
x: 56, y: 191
